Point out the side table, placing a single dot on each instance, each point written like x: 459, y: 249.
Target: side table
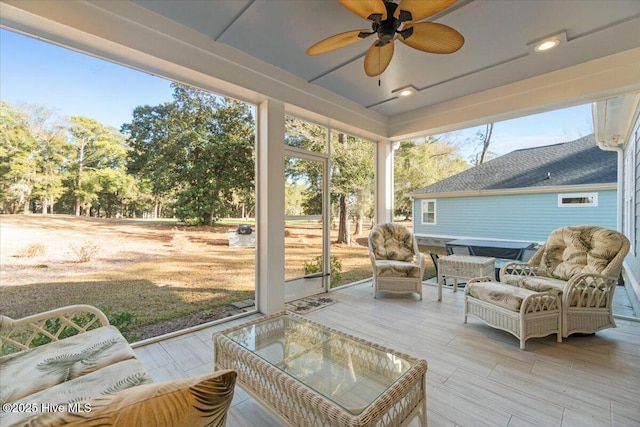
x: 463, y: 267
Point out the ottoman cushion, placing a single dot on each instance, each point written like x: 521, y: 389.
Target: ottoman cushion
x: 505, y: 296
x: 535, y: 283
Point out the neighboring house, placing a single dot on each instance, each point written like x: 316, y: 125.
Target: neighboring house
x: 617, y: 128
x: 521, y: 196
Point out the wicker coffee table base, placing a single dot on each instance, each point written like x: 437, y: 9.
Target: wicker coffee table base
x: 298, y: 405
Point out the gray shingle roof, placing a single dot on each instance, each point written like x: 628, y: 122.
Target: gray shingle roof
x: 577, y: 162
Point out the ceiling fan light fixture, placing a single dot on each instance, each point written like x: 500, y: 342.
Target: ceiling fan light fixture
x: 405, y: 91
x: 548, y: 43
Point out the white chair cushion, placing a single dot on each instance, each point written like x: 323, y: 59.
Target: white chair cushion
x: 389, y: 268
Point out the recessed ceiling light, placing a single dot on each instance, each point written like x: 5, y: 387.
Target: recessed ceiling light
x: 405, y: 91
x: 547, y: 43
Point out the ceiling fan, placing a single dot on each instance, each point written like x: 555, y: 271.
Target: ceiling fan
x: 391, y: 21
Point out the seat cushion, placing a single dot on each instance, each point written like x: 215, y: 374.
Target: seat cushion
x: 33, y: 370
x: 579, y: 249
x: 108, y: 380
x: 505, y: 296
x: 386, y: 268
x: 197, y: 401
x: 535, y: 283
x: 392, y: 242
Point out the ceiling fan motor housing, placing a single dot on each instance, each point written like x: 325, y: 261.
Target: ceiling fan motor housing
x: 387, y: 29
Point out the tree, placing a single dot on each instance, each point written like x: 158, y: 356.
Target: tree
x: 304, y: 178
x: 150, y: 138
x: 111, y: 188
x: 52, y: 154
x: 17, y: 164
x: 419, y: 163
x: 352, y: 181
x: 96, y: 147
x: 197, y: 150
x: 485, y: 140
x: 351, y: 173
x: 33, y: 152
x: 305, y: 135
x: 78, y: 164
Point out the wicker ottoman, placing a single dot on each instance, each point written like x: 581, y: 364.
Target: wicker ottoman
x: 521, y: 312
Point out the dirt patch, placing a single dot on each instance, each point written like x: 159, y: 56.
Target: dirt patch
x: 168, y: 277
x: 161, y: 273
x: 183, y: 322
x: 113, y: 244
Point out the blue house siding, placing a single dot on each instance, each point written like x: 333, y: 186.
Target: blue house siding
x: 511, y: 217
x: 631, y: 220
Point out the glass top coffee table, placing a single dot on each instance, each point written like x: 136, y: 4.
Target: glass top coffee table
x: 309, y: 374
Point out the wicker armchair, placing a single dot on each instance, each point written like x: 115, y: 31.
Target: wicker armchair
x: 398, y: 265
x: 582, y: 265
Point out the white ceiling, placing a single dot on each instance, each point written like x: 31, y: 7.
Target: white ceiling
x: 255, y: 50
x: 495, y: 52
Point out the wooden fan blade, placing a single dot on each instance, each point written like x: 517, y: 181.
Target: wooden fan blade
x: 433, y: 38
x: 335, y: 42
x: 365, y: 8
x: 420, y: 9
x: 378, y: 58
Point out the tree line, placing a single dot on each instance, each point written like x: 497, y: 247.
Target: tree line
x: 194, y: 159
x: 191, y: 158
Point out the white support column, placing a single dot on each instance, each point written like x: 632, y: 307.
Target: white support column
x: 270, y: 186
x: 384, y: 181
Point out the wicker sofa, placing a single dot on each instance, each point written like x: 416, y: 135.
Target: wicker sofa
x: 398, y: 265
x: 69, y: 367
x: 582, y: 265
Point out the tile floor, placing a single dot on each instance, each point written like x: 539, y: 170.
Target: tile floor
x: 477, y: 375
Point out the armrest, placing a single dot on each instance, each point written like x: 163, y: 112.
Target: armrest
x: 48, y: 326
x: 540, y: 301
x: 589, y: 290
x: 482, y: 279
x: 518, y: 269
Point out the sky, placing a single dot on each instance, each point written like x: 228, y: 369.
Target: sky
x: 36, y: 72
x: 537, y: 130
x: 74, y: 84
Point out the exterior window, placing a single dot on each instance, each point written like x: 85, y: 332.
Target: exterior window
x: 428, y: 211
x: 577, y: 200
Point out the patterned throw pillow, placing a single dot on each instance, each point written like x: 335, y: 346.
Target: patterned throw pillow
x: 197, y: 401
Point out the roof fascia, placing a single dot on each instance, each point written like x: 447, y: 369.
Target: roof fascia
x: 614, y: 119
x: 518, y: 191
